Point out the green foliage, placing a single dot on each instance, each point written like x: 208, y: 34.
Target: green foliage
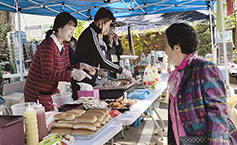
x: 144, y: 41
x: 204, y: 33
x: 81, y: 26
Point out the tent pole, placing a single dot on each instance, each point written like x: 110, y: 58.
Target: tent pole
x: 212, y: 41
x: 224, y: 47
x: 19, y: 37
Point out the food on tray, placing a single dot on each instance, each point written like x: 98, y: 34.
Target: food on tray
x: 61, y: 130
x: 82, y: 132
x: 114, y: 113
x: 64, y: 116
x: 111, y: 84
x: 121, y: 103
x: 103, y: 109
x: 115, y: 83
x: 99, y: 116
x: 85, y: 119
x: 86, y: 124
x: 97, y: 112
x: 64, y: 138
x: 91, y: 102
x: 62, y: 125
x: 77, y: 111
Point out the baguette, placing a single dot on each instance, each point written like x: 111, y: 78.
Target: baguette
x: 82, y: 132
x: 85, y: 119
x: 88, y: 126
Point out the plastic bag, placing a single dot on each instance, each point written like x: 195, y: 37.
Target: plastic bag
x: 85, y: 87
x: 231, y: 102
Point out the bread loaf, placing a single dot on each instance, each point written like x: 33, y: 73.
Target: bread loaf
x: 62, y: 125
x: 85, y: 119
x: 97, y: 112
x: 88, y: 126
x: 97, y: 123
x: 61, y: 130
x: 64, y: 116
x: 77, y: 111
x: 99, y: 116
x: 82, y: 132
x: 102, y: 109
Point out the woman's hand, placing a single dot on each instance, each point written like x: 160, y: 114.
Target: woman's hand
x: 79, y: 74
x: 115, y: 38
x: 89, y: 68
x: 127, y: 74
x: 101, y: 73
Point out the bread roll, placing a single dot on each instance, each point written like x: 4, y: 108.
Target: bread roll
x: 64, y: 116
x: 82, y: 132
x: 97, y: 112
x: 88, y: 126
x: 85, y: 119
x: 97, y: 123
x: 62, y: 125
x: 99, y: 116
x: 77, y: 111
x: 107, y: 117
x: 65, y: 121
x: 103, y: 122
x: 61, y: 130
x: 102, y: 109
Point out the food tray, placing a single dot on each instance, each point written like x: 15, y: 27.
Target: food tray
x: 88, y: 137
x: 115, y: 92
x: 66, y: 107
x: 101, y: 87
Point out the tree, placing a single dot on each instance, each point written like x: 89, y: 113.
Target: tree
x: 204, y: 33
x: 80, y: 28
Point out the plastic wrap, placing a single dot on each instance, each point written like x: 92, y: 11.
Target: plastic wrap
x: 231, y: 102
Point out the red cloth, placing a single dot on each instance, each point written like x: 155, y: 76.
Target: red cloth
x: 48, y: 67
x: 230, y: 7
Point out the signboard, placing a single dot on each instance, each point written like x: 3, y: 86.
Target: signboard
x: 46, y: 28
x: 34, y: 32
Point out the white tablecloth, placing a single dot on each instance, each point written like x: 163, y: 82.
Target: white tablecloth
x: 128, y: 117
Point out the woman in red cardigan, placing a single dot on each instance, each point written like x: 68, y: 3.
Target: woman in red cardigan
x: 51, y: 63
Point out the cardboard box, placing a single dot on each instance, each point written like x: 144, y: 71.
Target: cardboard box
x: 95, y: 93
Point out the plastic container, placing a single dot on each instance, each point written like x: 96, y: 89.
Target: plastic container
x: 143, y: 59
x: 20, y: 108
x: 41, y: 121
x: 32, y: 136
x: 12, y: 130
x: 148, y: 78
x: 61, y: 99
x: 156, y: 75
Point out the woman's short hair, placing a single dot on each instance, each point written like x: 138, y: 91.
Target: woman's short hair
x: 184, y: 35
x: 104, y: 13
x: 60, y: 21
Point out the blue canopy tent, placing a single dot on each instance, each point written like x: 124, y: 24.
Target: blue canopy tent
x: 86, y: 9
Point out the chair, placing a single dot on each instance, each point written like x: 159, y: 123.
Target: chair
x: 2, y: 101
x: 13, y: 93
